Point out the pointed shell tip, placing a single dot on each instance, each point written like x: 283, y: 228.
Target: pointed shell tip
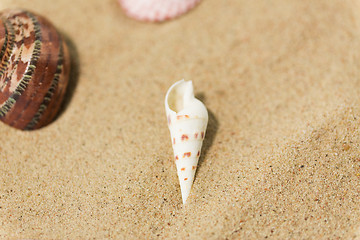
x: 188, y: 117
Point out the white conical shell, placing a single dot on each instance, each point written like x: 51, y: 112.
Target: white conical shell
x: 187, y: 121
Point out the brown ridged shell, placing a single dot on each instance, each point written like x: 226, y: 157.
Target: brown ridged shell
x: 34, y: 70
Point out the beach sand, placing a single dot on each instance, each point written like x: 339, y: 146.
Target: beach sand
x: 281, y: 159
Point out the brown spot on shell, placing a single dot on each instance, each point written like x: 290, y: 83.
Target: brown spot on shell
x: 182, y: 116
x: 183, y: 169
x: 196, y: 135
x: 28, y: 41
x: 198, y: 154
x: 187, y: 154
x: 193, y: 167
x: 185, y: 179
x: 184, y: 137
x: 202, y: 134
x: 176, y: 157
x: 21, y: 68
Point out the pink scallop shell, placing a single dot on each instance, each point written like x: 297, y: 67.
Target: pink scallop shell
x: 156, y: 10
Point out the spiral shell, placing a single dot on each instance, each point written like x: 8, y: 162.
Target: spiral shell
x: 187, y: 122
x: 34, y: 70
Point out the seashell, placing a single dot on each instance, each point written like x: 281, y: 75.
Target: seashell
x: 34, y: 70
x: 187, y: 121
x: 157, y: 10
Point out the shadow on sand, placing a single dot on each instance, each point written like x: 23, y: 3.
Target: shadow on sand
x: 74, y: 74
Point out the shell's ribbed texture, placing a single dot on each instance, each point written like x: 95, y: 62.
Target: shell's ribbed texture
x: 34, y: 70
x: 157, y: 10
x: 187, y: 121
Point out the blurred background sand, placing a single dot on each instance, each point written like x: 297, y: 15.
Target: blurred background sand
x: 282, y: 155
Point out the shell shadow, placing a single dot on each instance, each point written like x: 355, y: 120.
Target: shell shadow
x: 74, y: 74
x: 211, y: 131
